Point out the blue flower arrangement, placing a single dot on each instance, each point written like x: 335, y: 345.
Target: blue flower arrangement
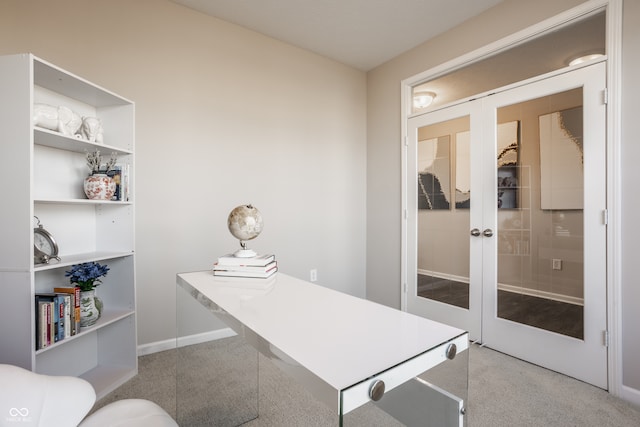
x: 86, y: 275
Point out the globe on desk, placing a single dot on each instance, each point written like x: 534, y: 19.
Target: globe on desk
x: 245, y: 223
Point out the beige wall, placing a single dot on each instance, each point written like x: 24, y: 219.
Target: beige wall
x: 224, y: 116
x: 384, y: 153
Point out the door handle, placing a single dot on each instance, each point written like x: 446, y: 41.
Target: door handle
x: 486, y: 233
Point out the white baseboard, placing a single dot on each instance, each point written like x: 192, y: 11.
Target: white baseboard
x: 541, y: 294
x: 173, y: 343
x: 446, y: 276
x: 510, y: 288
x: 630, y: 395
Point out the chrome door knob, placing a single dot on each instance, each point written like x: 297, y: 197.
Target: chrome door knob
x: 487, y: 232
x: 475, y: 232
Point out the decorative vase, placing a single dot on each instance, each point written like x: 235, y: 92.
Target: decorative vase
x: 89, y: 313
x: 99, y: 186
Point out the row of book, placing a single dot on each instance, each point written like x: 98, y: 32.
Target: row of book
x: 57, y: 315
x: 259, y: 266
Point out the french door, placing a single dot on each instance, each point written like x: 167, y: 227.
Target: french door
x: 506, y: 221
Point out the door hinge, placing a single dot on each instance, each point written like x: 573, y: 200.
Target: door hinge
x: 406, y: 214
x: 605, y: 217
x: 406, y: 143
x: 605, y: 338
x: 605, y: 96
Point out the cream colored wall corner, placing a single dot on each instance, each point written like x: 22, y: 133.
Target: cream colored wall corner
x: 224, y: 116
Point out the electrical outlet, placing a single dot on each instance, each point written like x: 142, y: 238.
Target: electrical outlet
x: 313, y: 275
x: 556, y: 264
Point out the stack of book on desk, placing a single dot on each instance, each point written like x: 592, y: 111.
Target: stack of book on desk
x: 259, y: 266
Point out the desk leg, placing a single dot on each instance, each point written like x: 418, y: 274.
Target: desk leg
x: 216, y: 380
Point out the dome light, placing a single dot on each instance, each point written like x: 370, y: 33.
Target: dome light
x: 423, y: 99
x: 585, y: 58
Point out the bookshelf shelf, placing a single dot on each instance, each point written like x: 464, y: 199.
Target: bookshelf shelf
x: 53, y: 139
x: 106, y: 319
x: 80, y: 202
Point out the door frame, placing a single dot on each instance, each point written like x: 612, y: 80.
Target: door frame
x: 614, y: 85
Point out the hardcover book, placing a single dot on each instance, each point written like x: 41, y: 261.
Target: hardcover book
x: 41, y: 325
x: 65, y: 313
x: 246, y: 268
x: 52, y: 317
x: 60, y: 328
x: 258, y: 260
x: 116, y: 175
x: 247, y: 274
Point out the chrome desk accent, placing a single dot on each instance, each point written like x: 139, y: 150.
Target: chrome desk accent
x: 451, y: 352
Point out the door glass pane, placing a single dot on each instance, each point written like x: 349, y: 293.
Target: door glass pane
x: 443, y: 212
x: 540, y: 213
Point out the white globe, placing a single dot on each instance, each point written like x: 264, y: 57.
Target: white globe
x: 245, y: 223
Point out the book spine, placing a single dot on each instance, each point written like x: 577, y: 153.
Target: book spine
x: 50, y: 323
x: 258, y: 261
x: 38, y: 342
x: 246, y: 274
x: 76, y: 295
x: 59, y: 327
x: 42, y: 326
x: 125, y: 183
x: 72, y: 314
x: 67, y: 315
x: 116, y: 175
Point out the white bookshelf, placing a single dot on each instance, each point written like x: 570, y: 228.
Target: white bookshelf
x: 42, y: 172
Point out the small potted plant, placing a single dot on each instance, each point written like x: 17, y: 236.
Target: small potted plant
x: 87, y: 276
x: 99, y: 185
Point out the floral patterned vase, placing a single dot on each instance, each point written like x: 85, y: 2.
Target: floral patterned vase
x: 89, y: 313
x: 99, y: 186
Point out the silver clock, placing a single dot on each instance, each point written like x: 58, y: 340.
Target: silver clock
x: 45, y: 247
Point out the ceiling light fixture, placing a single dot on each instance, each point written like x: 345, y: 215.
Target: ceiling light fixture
x: 423, y: 99
x: 585, y: 58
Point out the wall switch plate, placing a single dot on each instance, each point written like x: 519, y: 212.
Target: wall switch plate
x: 556, y: 264
x: 313, y: 275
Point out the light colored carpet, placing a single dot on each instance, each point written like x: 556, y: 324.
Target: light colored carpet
x: 503, y: 391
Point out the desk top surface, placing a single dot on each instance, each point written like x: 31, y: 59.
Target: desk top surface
x: 340, y: 338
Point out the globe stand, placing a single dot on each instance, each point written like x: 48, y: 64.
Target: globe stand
x: 244, y: 252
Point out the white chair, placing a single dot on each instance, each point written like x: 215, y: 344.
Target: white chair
x: 31, y: 399
x: 129, y: 413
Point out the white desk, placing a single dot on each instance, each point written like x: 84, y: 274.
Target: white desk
x: 337, y: 345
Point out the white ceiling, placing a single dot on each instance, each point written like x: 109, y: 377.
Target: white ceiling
x: 359, y: 33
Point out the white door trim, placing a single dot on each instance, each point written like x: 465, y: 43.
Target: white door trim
x: 614, y: 85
